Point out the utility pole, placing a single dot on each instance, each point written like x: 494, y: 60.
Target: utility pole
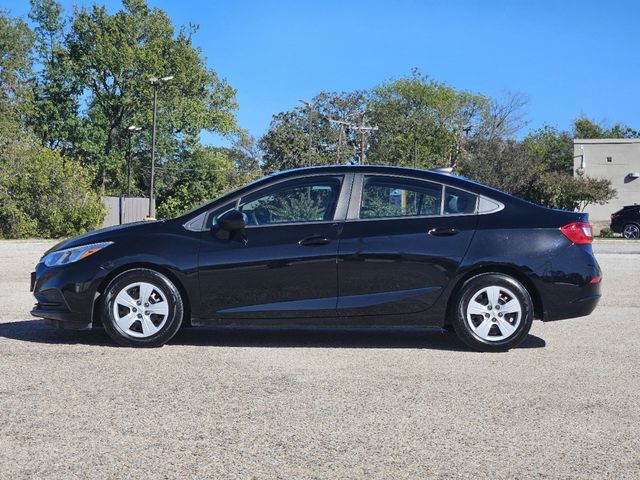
x: 155, y: 83
x: 130, y: 130
x: 309, y: 106
x: 341, y: 124
x: 362, y: 128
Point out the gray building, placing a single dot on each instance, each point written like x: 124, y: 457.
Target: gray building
x: 616, y: 159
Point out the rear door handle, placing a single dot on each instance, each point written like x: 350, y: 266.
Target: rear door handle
x: 443, y: 232
x: 314, y: 240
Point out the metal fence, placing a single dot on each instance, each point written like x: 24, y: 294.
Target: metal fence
x: 125, y: 210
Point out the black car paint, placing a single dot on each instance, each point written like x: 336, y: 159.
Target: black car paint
x: 368, y: 272
x: 625, y: 216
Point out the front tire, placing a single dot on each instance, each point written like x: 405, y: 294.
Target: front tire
x: 493, y: 312
x: 141, y: 308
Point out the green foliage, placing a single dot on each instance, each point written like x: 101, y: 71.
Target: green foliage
x: 552, y: 147
x: 514, y: 168
x: 286, y: 144
x: 585, y: 128
x: 299, y: 206
x: 95, y: 83
x: 43, y: 194
x: 421, y: 121
x: 560, y: 190
x: 16, y: 42
x: 202, y: 175
x: 606, y: 233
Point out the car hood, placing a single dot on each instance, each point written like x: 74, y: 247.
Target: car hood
x: 103, y: 235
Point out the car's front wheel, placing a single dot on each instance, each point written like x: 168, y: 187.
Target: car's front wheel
x: 141, y: 308
x: 493, y: 312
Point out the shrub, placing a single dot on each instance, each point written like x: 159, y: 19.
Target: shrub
x: 43, y: 194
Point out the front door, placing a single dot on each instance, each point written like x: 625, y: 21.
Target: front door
x: 403, y: 246
x: 288, y: 268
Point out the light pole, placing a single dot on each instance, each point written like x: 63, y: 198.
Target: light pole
x: 155, y: 83
x: 131, y: 130
x: 310, y: 120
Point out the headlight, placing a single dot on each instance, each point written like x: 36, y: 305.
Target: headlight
x: 70, y: 255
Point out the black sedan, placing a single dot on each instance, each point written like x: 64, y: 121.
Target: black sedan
x: 627, y: 221
x: 331, y: 246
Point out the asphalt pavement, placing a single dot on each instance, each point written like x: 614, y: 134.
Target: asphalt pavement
x: 330, y: 404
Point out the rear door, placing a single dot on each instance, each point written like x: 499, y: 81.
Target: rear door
x: 402, y: 243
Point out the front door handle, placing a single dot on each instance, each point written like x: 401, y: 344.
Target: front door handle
x: 314, y: 240
x: 443, y: 232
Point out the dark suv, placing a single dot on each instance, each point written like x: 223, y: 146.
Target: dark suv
x: 627, y: 221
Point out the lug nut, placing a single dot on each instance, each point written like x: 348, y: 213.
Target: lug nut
x: 489, y: 307
x: 139, y: 302
x: 497, y: 307
x: 146, y: 313
x: 487, y: 315
x: 500, y: 314
x: 139, y: 315
x: 146, y: 305
x: 134, y: 309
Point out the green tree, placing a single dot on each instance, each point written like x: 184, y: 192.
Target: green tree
x: 586, y: 128
x: 43, y: 194
x: 55, y: 118
x: 517, y: 168
x: 95, y: 83
x: 286, y: 144
x: 553, y: 147
x: 422, y: 122
x: 16, y: 42
x: 202, y: 175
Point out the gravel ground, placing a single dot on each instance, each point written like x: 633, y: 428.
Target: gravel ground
x: 230, y: 403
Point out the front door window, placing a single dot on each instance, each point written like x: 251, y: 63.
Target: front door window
x: 310, y: 201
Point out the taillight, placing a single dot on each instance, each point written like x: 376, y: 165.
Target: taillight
x: 578, y: 232
x: 615, y: 215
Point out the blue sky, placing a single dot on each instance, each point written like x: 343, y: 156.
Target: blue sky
x: 570, y: 57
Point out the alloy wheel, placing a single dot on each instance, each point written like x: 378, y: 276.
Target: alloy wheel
x: 140, y: 309
x: 631, y: 231
x: 494, y: 313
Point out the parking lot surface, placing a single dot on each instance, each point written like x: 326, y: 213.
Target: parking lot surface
x: 260, y: 403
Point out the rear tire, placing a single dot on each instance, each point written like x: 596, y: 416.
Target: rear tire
x: 141, y: 308
x: 493, y: 312
x: 631, y: 231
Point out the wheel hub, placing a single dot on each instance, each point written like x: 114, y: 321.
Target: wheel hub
x: 494, y: 313
x: 140, y: 323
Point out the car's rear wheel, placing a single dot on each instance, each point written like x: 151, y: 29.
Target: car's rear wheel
x: 631, y: 230
x: 141, y: 308
x: 493, y: 312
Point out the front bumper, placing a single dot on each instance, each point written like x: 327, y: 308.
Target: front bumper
x: 65, y: 295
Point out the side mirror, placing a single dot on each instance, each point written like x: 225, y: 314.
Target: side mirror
x: 231, y: 226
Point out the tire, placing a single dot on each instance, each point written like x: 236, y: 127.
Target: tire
x: 493, y: 312
x: 141, y: 308
x: 631, y: 230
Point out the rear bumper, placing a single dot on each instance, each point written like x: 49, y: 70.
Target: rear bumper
x: 578, y: 308
x: 570, y: 286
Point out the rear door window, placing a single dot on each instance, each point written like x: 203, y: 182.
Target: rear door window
x: 459, y: 202
x: 386, y: 197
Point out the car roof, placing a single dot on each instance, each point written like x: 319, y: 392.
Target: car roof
x: 433, y: 175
